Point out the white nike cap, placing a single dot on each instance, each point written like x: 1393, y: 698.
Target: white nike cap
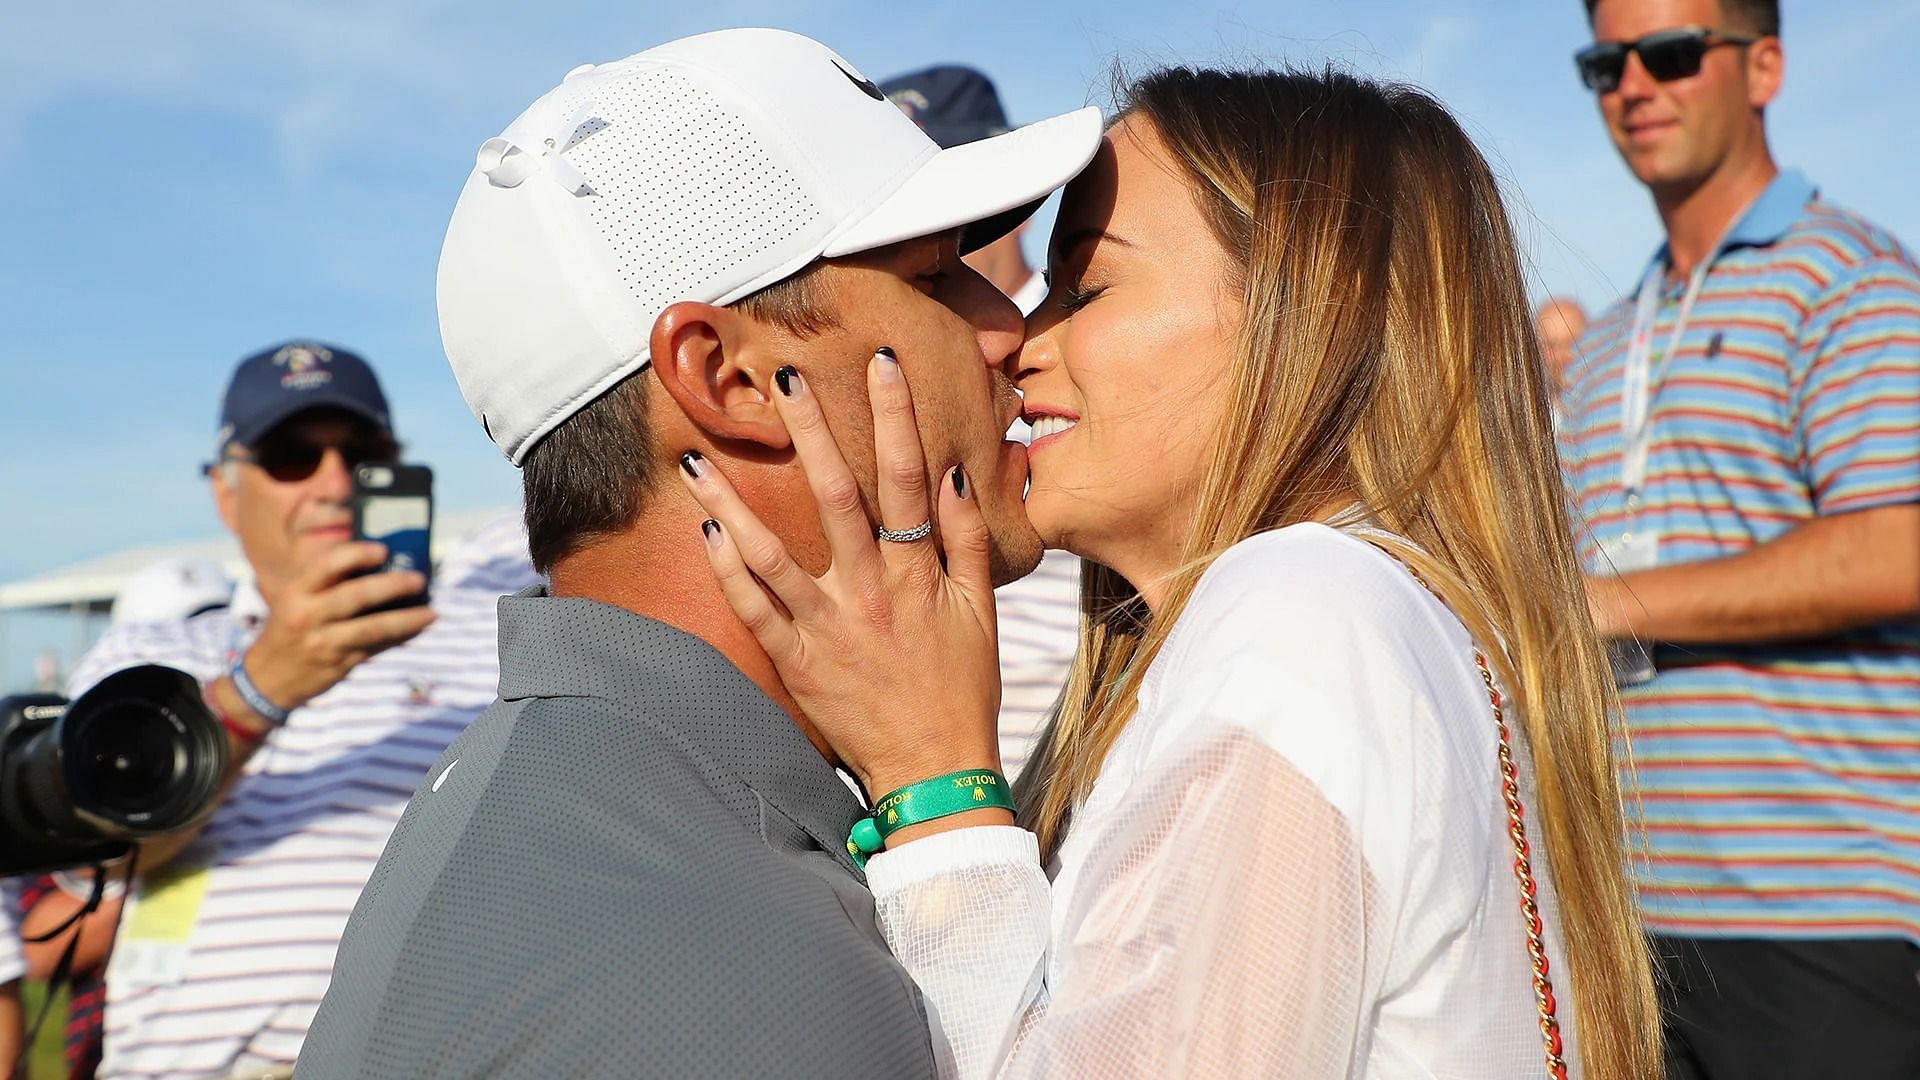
x: 704, y: 169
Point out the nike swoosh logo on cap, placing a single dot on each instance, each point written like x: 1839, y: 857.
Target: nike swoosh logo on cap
x: 866, y: 85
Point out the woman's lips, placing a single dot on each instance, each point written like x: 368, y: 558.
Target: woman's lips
x: 1049, y: 429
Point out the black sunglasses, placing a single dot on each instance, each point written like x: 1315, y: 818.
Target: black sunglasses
x: 1666, y: 54
x: 291, y: 460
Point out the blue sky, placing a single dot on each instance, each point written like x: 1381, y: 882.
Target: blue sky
x: 183, y: 183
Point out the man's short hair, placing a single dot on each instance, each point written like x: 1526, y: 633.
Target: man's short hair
x: 1761, y: 17
x: 591, y: 475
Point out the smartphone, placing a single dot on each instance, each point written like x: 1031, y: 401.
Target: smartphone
x: 393, y: 504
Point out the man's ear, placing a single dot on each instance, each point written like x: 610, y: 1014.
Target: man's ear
x: 225, y: 498
x: 717, y: 365
x: 1766, y: 70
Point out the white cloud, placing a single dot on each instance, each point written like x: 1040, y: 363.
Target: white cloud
x: 312, y: 76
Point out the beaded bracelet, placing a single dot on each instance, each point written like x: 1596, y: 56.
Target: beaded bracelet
x: 251, y: 694
x: 246, y: 735
x: 928, y: 800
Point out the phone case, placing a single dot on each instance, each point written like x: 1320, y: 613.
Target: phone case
x: 393, y: 504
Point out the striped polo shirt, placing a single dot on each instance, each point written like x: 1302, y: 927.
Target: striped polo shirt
x: 1778, y: 784
x: 224, y: 955
x: 1039, y: 620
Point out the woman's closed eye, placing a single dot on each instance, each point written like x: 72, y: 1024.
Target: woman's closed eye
x: 1074, y: 295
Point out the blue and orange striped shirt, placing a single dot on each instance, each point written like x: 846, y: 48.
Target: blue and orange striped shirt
x: 1779, y: 784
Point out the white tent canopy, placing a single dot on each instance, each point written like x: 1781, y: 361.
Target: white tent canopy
x: 95, y: 582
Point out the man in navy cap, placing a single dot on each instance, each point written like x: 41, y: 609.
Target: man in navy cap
x: 333, y: 709
x: 295, y: 422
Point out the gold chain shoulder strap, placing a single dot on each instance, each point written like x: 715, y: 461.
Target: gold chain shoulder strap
x: 1522, y: 852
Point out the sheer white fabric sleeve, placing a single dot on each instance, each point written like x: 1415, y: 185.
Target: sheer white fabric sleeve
x: 1214, y: 923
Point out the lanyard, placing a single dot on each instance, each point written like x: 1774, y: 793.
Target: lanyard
x: 1640, y: 380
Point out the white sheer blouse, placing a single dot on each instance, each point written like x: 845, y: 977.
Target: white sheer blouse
x: 1293, y: 863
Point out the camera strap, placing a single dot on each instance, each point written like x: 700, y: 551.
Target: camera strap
x: 63, y: 971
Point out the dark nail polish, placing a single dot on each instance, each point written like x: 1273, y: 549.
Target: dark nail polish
x: 886, y: 351
x: 786, y: 377
x: 960, y: 481
x: 691, y: 461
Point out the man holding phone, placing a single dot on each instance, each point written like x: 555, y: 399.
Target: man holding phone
x: 337, y: 687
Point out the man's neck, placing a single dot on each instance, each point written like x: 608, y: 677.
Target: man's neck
x: 657, y: 568
x: 1699, y: 215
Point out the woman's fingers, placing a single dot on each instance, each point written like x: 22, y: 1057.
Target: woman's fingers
x: 963, y: 532
x: 760, y: 550
x: 750, y: 602
x: 901, y: 463
x: 843, y: 512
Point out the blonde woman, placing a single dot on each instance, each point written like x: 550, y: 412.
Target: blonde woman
x: 1331, y: 791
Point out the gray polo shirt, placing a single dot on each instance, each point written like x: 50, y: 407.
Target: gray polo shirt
x: 632, y: 865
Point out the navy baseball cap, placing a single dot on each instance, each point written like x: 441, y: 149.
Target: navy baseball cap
x: 276, y: 383
x: 953, y: 104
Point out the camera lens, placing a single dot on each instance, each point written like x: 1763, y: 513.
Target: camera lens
x: 141, y: 754
x: 138, y: 755
x: 126, y: 759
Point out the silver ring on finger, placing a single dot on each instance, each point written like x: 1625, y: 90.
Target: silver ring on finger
x: 906, y: 536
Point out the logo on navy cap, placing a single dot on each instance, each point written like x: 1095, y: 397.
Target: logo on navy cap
x: 305, y: 366
x: 912, y: 102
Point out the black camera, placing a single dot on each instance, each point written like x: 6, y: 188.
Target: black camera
x: 139, y: 755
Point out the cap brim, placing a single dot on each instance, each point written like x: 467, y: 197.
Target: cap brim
x: 284, y: 410
x: 993, y: 184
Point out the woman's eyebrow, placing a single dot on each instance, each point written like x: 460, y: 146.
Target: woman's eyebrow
x: 1080, y: 236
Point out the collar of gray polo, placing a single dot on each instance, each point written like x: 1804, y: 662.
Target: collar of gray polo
x: 573, y: 647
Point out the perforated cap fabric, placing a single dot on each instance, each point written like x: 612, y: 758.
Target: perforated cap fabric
x: 704, y: 169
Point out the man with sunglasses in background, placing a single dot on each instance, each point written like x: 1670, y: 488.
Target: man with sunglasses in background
x: 334, y: 711
x: 1743, y: 440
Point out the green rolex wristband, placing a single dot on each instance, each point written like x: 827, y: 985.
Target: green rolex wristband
x: 928, y: 800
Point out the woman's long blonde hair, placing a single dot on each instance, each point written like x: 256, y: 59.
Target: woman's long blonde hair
x: 1386, y: 354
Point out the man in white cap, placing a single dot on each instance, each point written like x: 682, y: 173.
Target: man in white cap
x: 634, y: 864
x: 166, y: 590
